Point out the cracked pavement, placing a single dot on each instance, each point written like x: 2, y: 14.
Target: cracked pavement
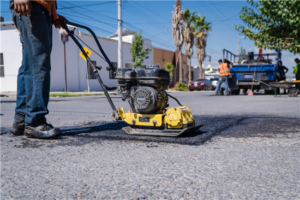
x: 248, y: 149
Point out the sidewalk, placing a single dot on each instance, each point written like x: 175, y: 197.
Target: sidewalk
x: 14, y: 94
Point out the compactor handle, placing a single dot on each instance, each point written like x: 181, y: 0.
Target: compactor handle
x: 115, y: 113
x: 111, y: 66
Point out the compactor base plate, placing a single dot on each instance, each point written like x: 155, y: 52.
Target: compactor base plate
x: 157, y: 132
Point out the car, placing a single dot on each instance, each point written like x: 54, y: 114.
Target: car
x: 201, y: 84
x: 214, y: 82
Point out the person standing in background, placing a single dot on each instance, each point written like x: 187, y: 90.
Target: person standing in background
x: 297, y: 72
x: 223, y: 76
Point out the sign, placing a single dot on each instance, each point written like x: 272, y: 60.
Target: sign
x: 64, y: 38
x: 87, y: 51
x: 63, y: 35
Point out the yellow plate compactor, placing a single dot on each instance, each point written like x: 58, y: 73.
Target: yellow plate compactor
x: 145, y: 91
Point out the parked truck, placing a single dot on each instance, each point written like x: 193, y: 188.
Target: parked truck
x: 253, y: 71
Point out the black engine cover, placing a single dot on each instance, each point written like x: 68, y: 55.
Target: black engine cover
x: 147, y: 100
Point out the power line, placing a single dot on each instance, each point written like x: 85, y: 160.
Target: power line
x: 211, y: 10
x: 86, y: 5
x: 91, y: 11
x: 79, y: 22
x: 140, y: 15
x: 152, y: 11
x: 217, y: 9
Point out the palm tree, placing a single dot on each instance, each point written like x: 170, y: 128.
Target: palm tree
x: 200, y: 28
x: 189, y: 18
x: 177, y: 33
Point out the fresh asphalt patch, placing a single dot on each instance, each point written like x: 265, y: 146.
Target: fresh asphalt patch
x: 113, y: 131
x: 225, y: 126
x: 269, y: 127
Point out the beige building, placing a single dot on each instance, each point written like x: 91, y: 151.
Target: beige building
x: 162, y: 56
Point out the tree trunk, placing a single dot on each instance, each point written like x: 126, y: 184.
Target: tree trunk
x: 180, y: 66
x: 190, y: 70
x: 200, y: 74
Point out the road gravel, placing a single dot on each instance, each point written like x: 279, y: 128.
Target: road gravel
x: 252, y: 151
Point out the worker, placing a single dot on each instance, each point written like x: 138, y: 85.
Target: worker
x: 34, y: 20
x: 223, y: 76
x: 297, y: 72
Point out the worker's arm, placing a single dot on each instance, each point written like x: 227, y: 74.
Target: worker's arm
x: 58, y: 20
x: 58, y: 23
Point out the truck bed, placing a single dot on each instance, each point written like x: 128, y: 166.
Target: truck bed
x: 263, y: 72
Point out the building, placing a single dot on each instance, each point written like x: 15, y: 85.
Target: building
x: 161, y: 56
x: 79, y: 74
x: 211, y: 72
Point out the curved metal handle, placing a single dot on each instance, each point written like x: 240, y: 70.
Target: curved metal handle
x: 115, y: 112
x: 95, y: 38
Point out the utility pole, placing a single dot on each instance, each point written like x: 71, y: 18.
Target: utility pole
x: 238, y: 46
x: 64, y: 38
x: 65, y: 66
x: 120, y: 44
x: 87, y: 76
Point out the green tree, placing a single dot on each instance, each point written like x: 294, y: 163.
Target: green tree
x: 169, y: 67
x: 138, y: 54
x: 242, y: 53
x: 272, y: 23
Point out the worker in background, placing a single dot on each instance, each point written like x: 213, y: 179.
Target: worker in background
x: 34, y: 20
x: 223, y: 77
x: 297, y: 72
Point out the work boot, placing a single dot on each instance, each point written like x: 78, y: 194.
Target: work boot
x: 17, y: 130
x: 43, y: 131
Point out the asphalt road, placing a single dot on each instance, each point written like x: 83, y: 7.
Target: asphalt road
x: 251, y: 150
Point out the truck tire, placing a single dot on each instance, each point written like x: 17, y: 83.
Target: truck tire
x: 236, y: 92
x: 269, y: 91
x: 221, y: 92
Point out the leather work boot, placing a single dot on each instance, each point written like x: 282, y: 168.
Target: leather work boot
x: 17, y: 130
x: 43, y: 131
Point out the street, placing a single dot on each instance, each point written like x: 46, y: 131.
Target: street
x: 249, y: 148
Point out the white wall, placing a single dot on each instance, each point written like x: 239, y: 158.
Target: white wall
x: 12, y: 54
x: 76, y: 66
x: 147, y: 44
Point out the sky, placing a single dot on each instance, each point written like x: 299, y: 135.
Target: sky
x: 154, y: 20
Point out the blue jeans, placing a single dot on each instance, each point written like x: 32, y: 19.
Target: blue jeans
x: 224, y: 79
x: 34, y: 74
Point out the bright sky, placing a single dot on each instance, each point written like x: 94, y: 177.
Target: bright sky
x: 154, y: 19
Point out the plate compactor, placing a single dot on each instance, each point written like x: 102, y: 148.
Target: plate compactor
x: 145, y: 91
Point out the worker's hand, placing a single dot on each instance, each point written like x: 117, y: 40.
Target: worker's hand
x: 60, y: 21
x: 22, y: 7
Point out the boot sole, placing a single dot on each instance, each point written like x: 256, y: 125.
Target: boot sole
x: 31, y: 133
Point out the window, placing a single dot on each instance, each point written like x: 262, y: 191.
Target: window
x: 91, y: 74
x: 115, y: 64
x: 1, y: 65
x: 128, y: 66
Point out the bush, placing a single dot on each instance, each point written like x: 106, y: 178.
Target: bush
x: 181, y: 87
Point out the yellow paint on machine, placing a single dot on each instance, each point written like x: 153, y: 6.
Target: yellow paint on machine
x: 175, y: 118
x: 130, y: 118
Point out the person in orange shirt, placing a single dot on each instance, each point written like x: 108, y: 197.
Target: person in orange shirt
x: 34, y: 20
x: 223, y: 76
